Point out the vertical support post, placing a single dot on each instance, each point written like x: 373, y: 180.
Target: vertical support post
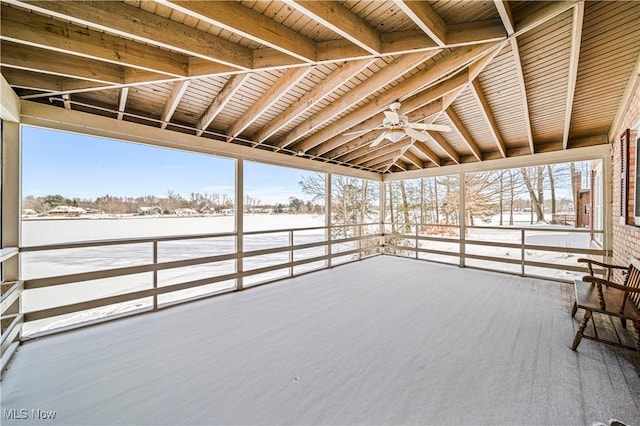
x: 291, y: 252
x: 462, y: 219
x: 607, y: 201
x: 417, y: 234
x: 421, y: 201
x: 382, y: 213
x: 327, y: 218
x: 155, y: 275
x: 239, y: 222
x: 11, y: 206
x: 359, y: 241
x: 522, y: 251
x: 11, y: 200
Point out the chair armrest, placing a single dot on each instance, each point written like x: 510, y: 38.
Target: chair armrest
x: 604, y: 265
x: 607, y: 266
x: 600, y: 281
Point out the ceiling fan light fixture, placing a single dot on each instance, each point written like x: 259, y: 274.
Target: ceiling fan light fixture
x: 395, y: 135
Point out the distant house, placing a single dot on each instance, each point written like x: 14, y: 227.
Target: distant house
x: 67, y: 211
x: 29, y: 212
x: 185, y: 212
x: 153, y: 210
x: 207, y: 210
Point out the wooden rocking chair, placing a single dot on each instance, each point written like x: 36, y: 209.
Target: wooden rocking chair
x: 601, y: 295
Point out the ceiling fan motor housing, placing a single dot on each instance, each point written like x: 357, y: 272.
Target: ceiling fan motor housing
x: 401, y: 122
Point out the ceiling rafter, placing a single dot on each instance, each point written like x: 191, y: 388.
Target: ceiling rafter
x: 66, y: 100
x: 362, y: 150
x: 431, y: 156
x: 342, y: 21
x: 179, y: 88
x: 485, y: 110
x: 52, y: 84
x: 38, y: 31
x: 413, y: 159
x: 374, y: 83
x: 426, y: 18
x: 134, y: 23
x: 222, y: 98
x: 289, y: 79
x: 454, y: 60
x: 253, y: 26
x: 445, y: 146
x: 463, y: 132
x: 523, y: 92
x: 448, y: 91
x: 505, y: 15
x: 576, y: 38
x: 408, y: 107
x: 337, y: 78
x: 45, y: 61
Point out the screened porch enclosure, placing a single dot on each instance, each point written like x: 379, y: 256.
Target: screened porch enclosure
x: 314, y: 211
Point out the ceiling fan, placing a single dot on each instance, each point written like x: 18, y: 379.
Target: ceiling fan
x: 397, y: 127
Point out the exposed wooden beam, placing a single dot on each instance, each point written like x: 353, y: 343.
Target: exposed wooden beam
x: 523, y: 90
x: 174, y: 100
x: 50, y: 84
x: 360, y: 143
x: 576, y: 38
x: 45, y: 61
x: 39, y: 31
x: 374, y: 83
x: 505, y: 15
x: 412, y: 107
x: 426, y: 18
x: 248, y: 23
x: 431, y: 156
x: 341, y: 75
x: 464, y: 133
x: 541, y: 12
x: 134, y: 23
x: 376, y: 157
x: 289, y: 79
x: 122, y: 102
x: 445, y: 146
x: 413, y: 159
x: 226, y: 93
x: 490, y: 30
x: 452, y: 61
x: 485, y: 110
x: 342, y: 21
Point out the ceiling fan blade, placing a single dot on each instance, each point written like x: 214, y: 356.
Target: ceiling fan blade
x: 427, y: 126
x: 392, y: 116
x: 379, y: 139
x: 362, y: 131
x: 416, y: 134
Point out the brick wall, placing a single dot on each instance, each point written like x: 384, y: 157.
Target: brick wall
x: 626, y: 237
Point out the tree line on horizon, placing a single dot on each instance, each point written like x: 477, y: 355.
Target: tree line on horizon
x: 201, y: 203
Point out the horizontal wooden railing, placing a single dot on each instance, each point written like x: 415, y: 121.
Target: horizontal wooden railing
x: 330, y: 238
x: 350, y: 242
x: 11, y: 318
x: 407, y: 244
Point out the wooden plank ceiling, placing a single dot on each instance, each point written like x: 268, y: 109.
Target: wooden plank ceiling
x: 300, y: 77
